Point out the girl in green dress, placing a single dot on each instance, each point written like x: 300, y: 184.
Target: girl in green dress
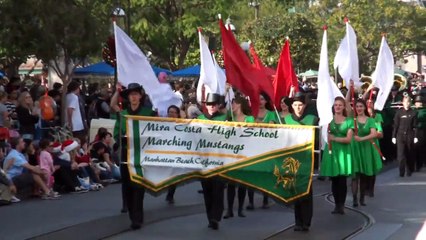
x: 241, y: 113
x: 337, y: 157
x: 265, y: 115
x: 367, y: 160
x: 285, y: 110
x: 378, y: 119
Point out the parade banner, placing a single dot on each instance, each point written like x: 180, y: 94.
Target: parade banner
x: 275, y: 159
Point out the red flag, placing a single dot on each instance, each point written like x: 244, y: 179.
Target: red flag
x: 285, y: 76
x: 257, y: 63
x: 238, y: 68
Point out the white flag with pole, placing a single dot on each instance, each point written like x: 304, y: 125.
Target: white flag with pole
x: 327, y: 89
x: 134, y: 67
x: 208, y: 72
x: 383, y: 76
x: 346, y: 59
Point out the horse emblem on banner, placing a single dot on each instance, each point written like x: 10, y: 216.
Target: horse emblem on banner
x: 290, y: 167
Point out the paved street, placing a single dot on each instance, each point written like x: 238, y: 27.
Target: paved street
x: 396, y: 212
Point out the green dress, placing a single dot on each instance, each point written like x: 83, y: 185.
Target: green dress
x: 270, y: 116
x: 378, y: 119
x: 367, y: 159
x: 340, y: 161
x: 247, y: 119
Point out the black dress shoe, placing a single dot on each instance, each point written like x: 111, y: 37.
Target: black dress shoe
x: 250, y: 207
x: 228, y: 215
x: 241, y: 214
x: 298, y: 228
x: 214, y: 224
x: 305, y: 229
x: 135, y: 226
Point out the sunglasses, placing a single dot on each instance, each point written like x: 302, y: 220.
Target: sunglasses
x: 211, y: 104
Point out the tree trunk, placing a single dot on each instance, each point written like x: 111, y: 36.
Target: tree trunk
x: 65, y: 80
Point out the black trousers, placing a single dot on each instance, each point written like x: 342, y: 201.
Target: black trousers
x: 386, y: 144
x: 213, y: 189
x: 303, y: 210
x: 339, y: 189
x: 405, y: 153
x: 132, y: 195
x: 419, y: 148
x: 231, y: 196
x: 250, y: 194
x: 171, y: 192
x: 66, y: 179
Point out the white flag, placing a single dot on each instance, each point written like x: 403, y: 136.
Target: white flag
x: 383, y: 76
x: 134, y: 67
x: 346, y: 59
x: 221, y: 81
x: 208, y: 72
x: 327, y: 90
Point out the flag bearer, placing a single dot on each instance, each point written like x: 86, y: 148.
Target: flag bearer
x: 213, y: 187
x: 303, y: 208
x: 132, y: 193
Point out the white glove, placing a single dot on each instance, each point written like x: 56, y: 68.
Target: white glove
x: 416, y: 140
x: 394, y: 140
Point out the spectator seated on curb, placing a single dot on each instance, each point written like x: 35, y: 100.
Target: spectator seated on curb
x: 102, y: 157
x: 87, y: 172
x: 21, y: 173
x: 66, y: 179
x: 7, y: 188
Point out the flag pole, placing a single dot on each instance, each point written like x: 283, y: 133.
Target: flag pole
x: 278, y: 115
x: 228, y: 94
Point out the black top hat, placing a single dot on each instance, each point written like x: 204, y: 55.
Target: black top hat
x: 298, y: 97
x: 418, y: 98
x: 213, y: 98
x: 132, y: 87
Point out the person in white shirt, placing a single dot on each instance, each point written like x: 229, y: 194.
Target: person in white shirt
x: 74, y: 116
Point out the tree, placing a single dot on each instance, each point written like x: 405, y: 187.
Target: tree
x: 268, y: 35
x: 168, y: 28
x: 61, y: 33
x: 403, y: 24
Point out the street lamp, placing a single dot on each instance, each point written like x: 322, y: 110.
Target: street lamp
x: 119, y: 13
x: 256, y: 6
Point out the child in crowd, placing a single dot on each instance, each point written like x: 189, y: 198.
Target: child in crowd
x: 46, y: 162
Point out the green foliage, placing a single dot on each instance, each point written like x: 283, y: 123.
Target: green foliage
x: 49, y: 29
x: 403, y: 24
x: 168, y: 28
x: 269, y: 33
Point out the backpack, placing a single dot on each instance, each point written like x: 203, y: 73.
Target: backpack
x: 92, y: 113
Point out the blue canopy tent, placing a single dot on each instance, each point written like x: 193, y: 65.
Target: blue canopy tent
x: 101, y: 68
x: 187, y: 72
x: 104, y: 69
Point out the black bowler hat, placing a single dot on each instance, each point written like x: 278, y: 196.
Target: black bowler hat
x: 132, y: 87
x: 418, y: 98
x: 298, y: 97
x: 213, y: 98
